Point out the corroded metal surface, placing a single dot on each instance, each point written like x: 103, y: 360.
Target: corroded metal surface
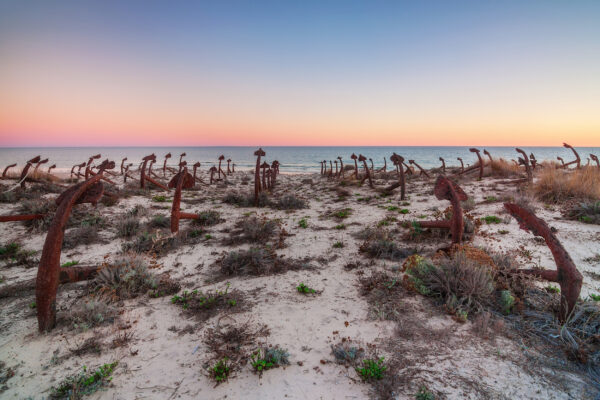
x: 462, y: 165
x: 423, y: 171
x: 26, y: 170
x: 7, y: 168
x: 481, y: 163
x: 354, y: 157
x: 48, y: 276
x: 443, y: 165
x: 258, y: 153
x: 525, y: 161
x: 566, y: 273
x: 363, y: 159
x: 576, y: 161
x: 183, y: 180
x: 445, y: 189
x: 595, y: 158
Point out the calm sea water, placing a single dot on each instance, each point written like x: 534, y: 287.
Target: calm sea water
x: 292, y: 159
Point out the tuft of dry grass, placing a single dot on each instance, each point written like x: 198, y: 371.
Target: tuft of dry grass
x: 503, y: 168
x: 257, y: 261
x: 559, y: 185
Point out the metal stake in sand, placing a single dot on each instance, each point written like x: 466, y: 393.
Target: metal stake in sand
x: 123, y: 165
x: 341, y: 166
x: 258, y: 153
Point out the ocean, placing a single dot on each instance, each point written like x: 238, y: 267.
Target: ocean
x: 292, y: 159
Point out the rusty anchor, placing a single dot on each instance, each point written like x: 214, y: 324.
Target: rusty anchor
x: 462, y: 165
x: 355, y: 158
x: 443, y: 165
x: 144, y: 177
x: 566, y: 273
x: 487, y: 153
x: 182, y: 180
x: 363, y: 159
x: 525, y: 161
x: 595, y: 158
x: 258, y: 153
x: 44, y: 161
x: 26, y: 170
x: 423, y: 172
x: 445, y: 189
x: 49, y: 270
x: 576, y: 161
x: 6, y: 170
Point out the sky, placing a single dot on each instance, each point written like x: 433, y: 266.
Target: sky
x: 226, y: 72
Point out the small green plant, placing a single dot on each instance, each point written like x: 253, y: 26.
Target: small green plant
x: 208, y: 236
x: 159, y: 199
x: 424, y: 394
x: 404, y: 211
x: 220, y: 371
x: 507, y: 300
x: 302, y: 288
x: 392, y: 208
x: 595, y: 297
x: 416, y: 229
x: 341, y: 214
x: 490, y: 199
x: 491, y: 219
x: 503, y: 231
x: 552, y: 289
x: 199, y: 300
x: 69, y: 264
x: 32, y: 305
x: 340, y: 226
x: 383, y: 222
x: 338, y: 245
x: 267, y: 358
x: 372, y: 369
x: 83, y: 383
x: 303, y: 223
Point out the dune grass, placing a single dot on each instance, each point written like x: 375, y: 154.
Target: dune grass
x: 558, y: 185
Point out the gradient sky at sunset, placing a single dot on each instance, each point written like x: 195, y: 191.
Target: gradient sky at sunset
x: 299, y: 73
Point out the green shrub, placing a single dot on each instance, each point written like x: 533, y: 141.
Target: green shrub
x: 372, y: 369
x: 302, y: 288
x: 209, y: 218
x: 84, y: 383
x: 69, y: 264
x: 507, y: 301
x: 424, y: 394
x: 269, y: 357
x: 303, y: 223
x: 160, y: 199
x: 220, y: 371
x: 491, y: 219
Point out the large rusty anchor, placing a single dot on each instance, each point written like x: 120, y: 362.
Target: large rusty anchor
x: 445, y: 189
x: 566, y: 273
x: 49, y: 271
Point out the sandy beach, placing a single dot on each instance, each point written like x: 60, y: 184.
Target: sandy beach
x: 164, y: 350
